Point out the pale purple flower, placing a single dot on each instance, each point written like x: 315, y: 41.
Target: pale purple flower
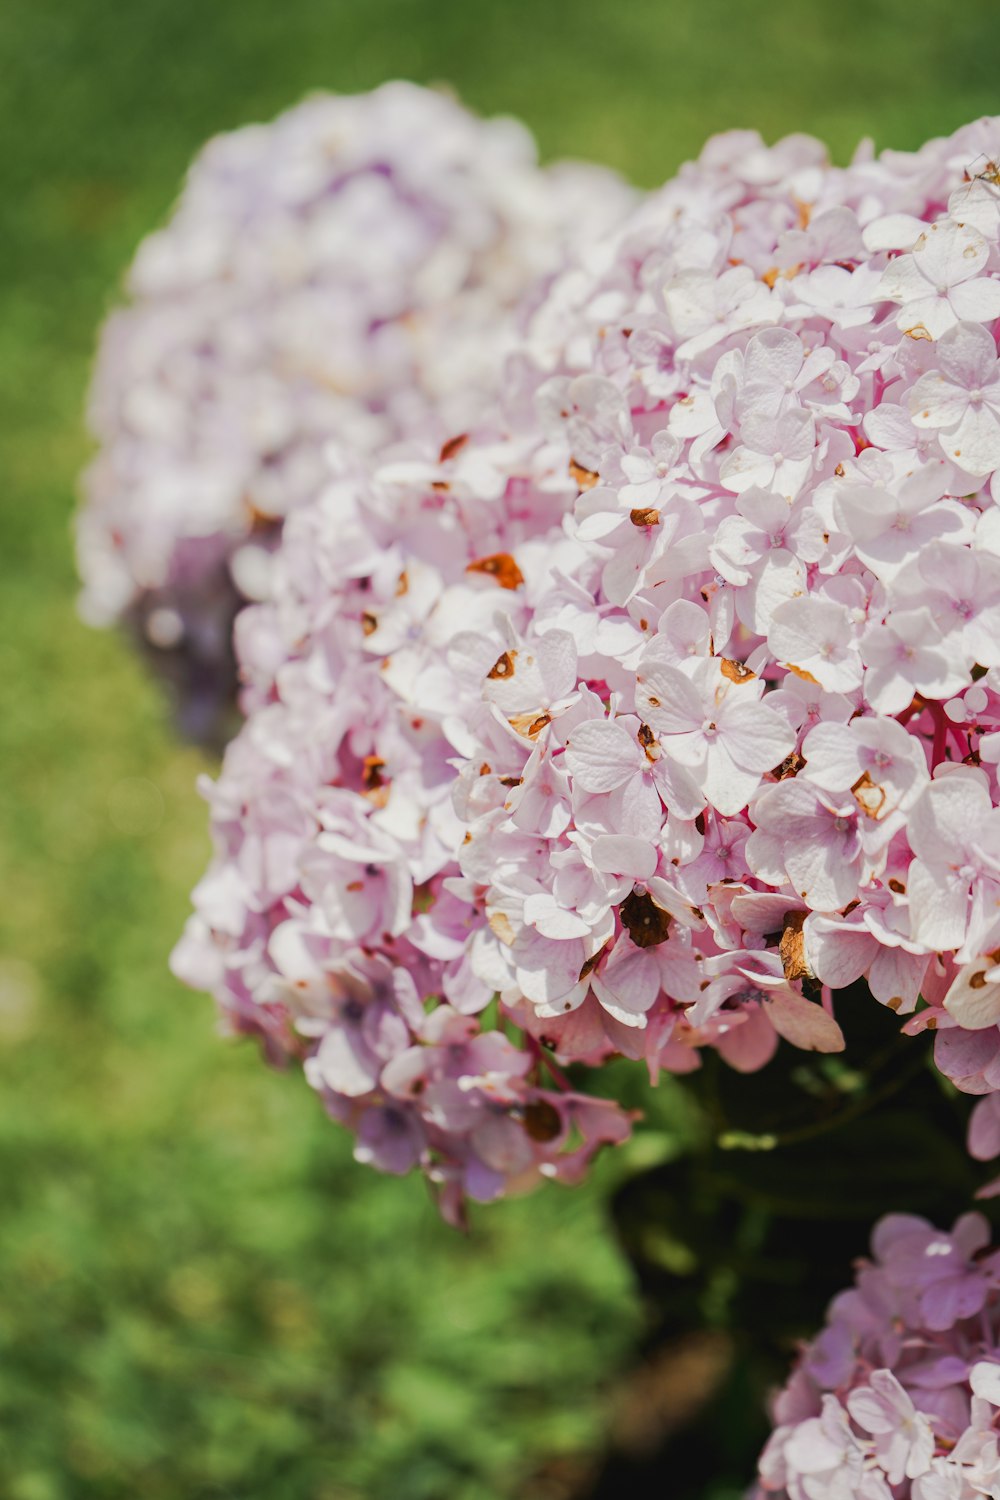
x: 900, y: 1393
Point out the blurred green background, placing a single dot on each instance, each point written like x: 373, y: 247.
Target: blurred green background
x: 200, y: 1294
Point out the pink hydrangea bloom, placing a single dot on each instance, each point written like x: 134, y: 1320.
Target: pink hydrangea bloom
x: 675, y: 691
x: 899, y: 1395
x: 336, y: 908
x: 345, y: 273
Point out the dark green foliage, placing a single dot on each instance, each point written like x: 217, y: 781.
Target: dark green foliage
x: 756, y: 1227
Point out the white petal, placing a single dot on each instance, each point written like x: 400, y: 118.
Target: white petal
x: 546, y: 970
x: 822, y: 879
x: 948, y: 253
x: 628, y: 984
x: 968, y: 356
x: 939, y: 912
x: 944, y: 816
x: 836, y: 953
x: 340, y: 1066
x: 617, y: 855
x: 668, y: 699
x: 556, y: 651
x: 727, y: 786
x: 975, y: 442
x: 782, y: 577
x: 542, y: 912
x: 935, y: 401
x: 984, y: 1377
x: 601, y: 755
x: 977, y: 301
x: 893, y: 232
x: 755, y: 736
x: 973, y: 1000
x: 831, y: 755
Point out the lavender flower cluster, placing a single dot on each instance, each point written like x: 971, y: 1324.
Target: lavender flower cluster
x: 346, y: 274
x: 899, y: 1395
x: 663, y: 699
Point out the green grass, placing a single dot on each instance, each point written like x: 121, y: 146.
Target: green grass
x: 201, y: 1295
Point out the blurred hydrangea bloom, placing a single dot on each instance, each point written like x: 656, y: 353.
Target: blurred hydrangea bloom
x: 671, y: 702
x: 899, y: 1395
x: 345, y: 274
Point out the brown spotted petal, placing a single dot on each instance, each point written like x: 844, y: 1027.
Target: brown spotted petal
x: 452, y: 446
x: 375, y: 784
x: 542, y: 1121
x: 646, y: 923
x: 529, y: 725
x: 585, y: 478
x: 529, y: 679
x: 870, y: 797
x: 503, y: 667
x: 500, y: 926
x: 792, y: 948
x: 736, y: 671
x: 499, y: 566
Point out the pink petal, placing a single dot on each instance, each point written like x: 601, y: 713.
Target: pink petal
x: 804, y: 1023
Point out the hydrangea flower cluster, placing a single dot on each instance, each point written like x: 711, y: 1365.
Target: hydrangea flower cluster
x: 346, y: 274
x: 335, y: 921
x: 899, y: 1395
x: 671, y: 703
